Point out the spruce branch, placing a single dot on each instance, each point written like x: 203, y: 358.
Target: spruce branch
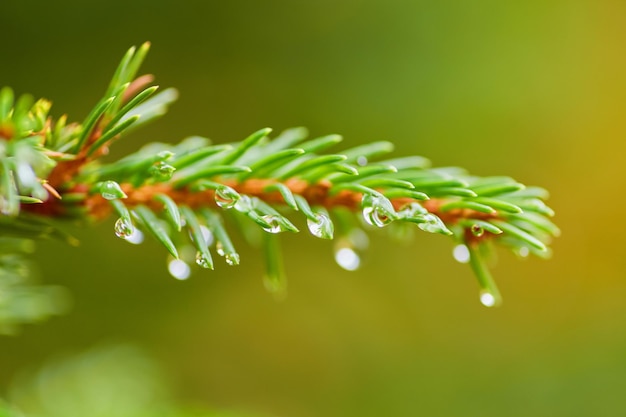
x: 190, y: 195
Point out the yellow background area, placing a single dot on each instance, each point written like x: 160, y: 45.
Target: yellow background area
x: 531, y: 89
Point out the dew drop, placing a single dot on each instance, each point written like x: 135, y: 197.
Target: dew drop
x: 226, y: 197
x: 477, y: 230
x: 377, y: 211
x: 523, y: 252
x: 179, y: 269
x: 461, y: 254
x: 244, y: 204
x: 203, y: 261
x: 487, y: 299
x: 433, y: 224
x: 124, y: 228
x: 232, y: 259
x: 219, y: 248
x: 411, y: 210
x: 111, y: 190
x: 347, y: 258
x: 136, y: 237
x: 321, y: 227
x: 361, y: 160
x: 273, y: 224
x: 163, y: 171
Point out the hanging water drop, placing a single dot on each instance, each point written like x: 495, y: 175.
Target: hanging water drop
x: 244, y: 204
x: 274, y: 224
x: 226, y: 197
x: 136, y: 237
x: 487, y: 299
x: 377, y: 211
x: 111, y: 190
x: 523, y: 252
x: 461, y: 254
x: 321, y: 227
x: 232, y: 259
x: 203, y: 261
x: 433, y: 224
x: 219, y: 248
x: 477, y: 230
x: 179, y: 269
x: 411, y: 210
x: 361, y: 160
x: 162, y: 171
x: 347, y: 258
x: 124, y: 228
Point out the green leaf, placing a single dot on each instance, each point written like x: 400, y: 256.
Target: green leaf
x: 111, y: 133
x: 274, y: 279
x: 489, y: 295
x: 269, y: 162
x: 321, y: 143
x: 248, y: 143
x: 189, y: 158
x: 311, y: 164
x: 135, y: 101
x: 206, y: 173
x: 467, y: 204
x: 6, y: 103
x: 203, y: 258
x: 368, y: 151
x: 488, y: 227
x: 490, y: 190
x: 399, y: 193
x: 368, y: 171
x: 91, y: 121
x: 224, y: 245
x: 520, y: 234
x: 171, y: 209
x: 387, y: 183
x: 499, y: 205
x: 285, y: 192
x: 153, y: 225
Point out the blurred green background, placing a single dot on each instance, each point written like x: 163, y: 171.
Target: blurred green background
x: 531, y: 89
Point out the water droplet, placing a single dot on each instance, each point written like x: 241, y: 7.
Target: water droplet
x: 377, y: 211
x: 179, y: 269
x: 207, y: 235
x: 124, y: 228
x: 411, y: 210
x: 347, y: 258
x: 461, y: 254
x: 274, y: 224
x: 321, y: 227
x: 219, y: 248
x: 162, y: 171
x: 226, y: 197
x: 361, y: 160
x: 203, y: 261
x: 487, y: 299
x: 477, y: 230
x: 136, y: 237
x: 244, y: 204
x: 523, y: 252
x: 111, y: 190
x: 232, y: 259
x: 433, y: 224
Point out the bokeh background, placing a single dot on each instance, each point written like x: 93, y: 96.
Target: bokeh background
x: 531, y: 89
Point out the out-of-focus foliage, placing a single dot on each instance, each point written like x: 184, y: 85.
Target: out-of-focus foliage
x: 106, y: 381
x: 21, y: 299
